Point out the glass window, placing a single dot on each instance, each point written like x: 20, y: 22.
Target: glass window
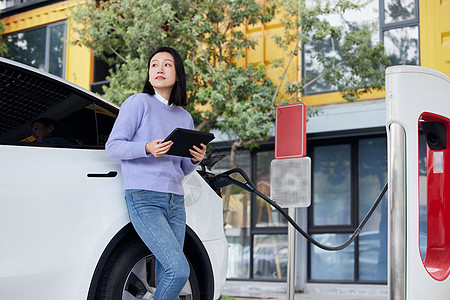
x: 372, y: 176
x: 347, y: 179
x: 400, y: 31
x: 313, y: 68
x: 256, y: 232
x: 399, y: 27
x: 332, y: 265
x: 238, y: 253
x: 270, y: 256
x: 42, y: 47
x: 399, y: 10
x: 331, y: 185
x: 9, y: 3
x: 402, y: 45
x: 56, y: 49
x: 236, y: 202
x: 101, y: 71
x: 72, y: 118
x: 330, y: 49
x: 266, y: 215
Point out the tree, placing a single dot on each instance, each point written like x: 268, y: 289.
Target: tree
x: 3, y: 48
x: 209, y: 34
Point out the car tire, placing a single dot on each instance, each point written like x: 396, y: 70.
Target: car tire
x: 129, y: 274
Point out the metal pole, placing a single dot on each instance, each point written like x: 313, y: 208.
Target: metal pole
x: 291, y: 257
x: 397, y: 213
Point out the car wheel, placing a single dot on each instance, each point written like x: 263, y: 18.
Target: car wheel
x: 129, y: 274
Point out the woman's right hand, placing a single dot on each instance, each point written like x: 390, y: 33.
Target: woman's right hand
x: 157, y: 148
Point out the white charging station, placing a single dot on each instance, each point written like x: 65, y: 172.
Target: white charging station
x: 418, y: 95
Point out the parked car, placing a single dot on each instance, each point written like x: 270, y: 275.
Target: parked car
x: 64, y: 227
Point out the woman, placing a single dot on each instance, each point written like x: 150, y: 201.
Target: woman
x: 152, y: 180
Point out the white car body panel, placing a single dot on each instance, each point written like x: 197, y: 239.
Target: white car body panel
x: 201, y: 200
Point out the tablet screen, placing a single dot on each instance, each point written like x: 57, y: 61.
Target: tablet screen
x: 185, y: 139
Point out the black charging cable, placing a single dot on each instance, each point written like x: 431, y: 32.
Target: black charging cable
x: 224, y: 179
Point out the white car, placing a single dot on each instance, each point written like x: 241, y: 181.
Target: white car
x: 64, y: 227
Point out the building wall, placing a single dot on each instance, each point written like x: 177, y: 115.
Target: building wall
x: 78, y: 67
x: 435, y: 35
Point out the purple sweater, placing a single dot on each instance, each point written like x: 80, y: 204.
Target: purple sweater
x: 143, y: 118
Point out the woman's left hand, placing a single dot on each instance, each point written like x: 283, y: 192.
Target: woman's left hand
x: 198, y: 154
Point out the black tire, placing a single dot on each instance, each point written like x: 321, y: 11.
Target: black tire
x: 130, y: 274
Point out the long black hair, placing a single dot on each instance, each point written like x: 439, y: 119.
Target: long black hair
x: 178, y: 94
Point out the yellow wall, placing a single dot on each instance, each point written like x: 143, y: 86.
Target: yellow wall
x: 435, y: 34
x: 78, y: 59
x: 267, y: 51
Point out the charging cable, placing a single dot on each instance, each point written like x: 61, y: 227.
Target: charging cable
x: 222, y: 180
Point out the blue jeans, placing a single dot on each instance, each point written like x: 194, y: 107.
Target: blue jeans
x: 160, y: 221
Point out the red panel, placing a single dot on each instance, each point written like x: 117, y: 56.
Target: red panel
x: 437, y: 259
x: 290, y: 131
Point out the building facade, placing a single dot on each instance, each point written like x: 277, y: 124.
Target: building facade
x: 346, y: 142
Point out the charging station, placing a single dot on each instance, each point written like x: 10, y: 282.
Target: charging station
x: 418, y: 102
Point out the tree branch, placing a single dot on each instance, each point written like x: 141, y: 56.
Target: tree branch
x: 117, y: 53
x: 205, y: 123
x: 285, y: 71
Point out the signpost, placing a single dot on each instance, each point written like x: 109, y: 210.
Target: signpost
x: 291, y: 173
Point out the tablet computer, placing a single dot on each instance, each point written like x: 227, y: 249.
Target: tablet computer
x: 185, y: 139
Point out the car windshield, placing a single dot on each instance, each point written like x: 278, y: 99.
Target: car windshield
x: 27, y: 94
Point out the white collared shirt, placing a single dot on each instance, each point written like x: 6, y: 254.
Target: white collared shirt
x: 161, y: 98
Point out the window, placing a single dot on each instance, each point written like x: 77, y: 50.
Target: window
x: 331, y: 49
x: 236, y: 203
x: 256, y: 233
x: 400, y: 31
x: 42, y: 47
x: 270, y: 245
x: 8, y: 3
x: 80, y: 118
x: 101, y: 71
x: 347, y: 177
